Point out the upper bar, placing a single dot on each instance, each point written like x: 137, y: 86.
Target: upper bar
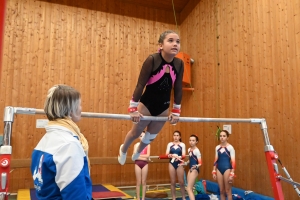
x: 19, y: 110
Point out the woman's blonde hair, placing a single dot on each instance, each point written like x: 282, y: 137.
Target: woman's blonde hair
x: 61, y: 101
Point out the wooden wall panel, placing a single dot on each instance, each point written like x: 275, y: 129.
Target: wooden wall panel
x: 99, y: 53
x: 246, y: 56
x: 198, y: 35
x: 253, y: 72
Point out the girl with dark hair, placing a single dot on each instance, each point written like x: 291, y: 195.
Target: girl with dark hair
x: 195, y: 163
x: 176, y: 152
x: 161, y: 72
x: 224, y: 166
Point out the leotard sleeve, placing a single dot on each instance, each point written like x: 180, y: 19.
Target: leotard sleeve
x: 144, y: 76
x: 178, y: 84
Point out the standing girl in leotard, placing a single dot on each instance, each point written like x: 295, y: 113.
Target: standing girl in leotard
x: 141, y: 168
x: 224, y: 166
x: 195, y: 163
x: 176, y: 151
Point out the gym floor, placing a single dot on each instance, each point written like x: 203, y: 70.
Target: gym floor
x: 130, y: 192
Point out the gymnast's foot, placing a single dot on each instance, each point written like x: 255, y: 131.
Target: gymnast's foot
x: 122, y: 156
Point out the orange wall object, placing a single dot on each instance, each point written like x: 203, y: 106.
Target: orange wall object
x: 187, y: 69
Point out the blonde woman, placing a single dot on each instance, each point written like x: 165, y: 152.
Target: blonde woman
x: 59, y: 163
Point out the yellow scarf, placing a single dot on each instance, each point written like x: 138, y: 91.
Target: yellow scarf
x: 69, y: 124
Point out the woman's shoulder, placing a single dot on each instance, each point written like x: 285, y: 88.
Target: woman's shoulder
x: 181, y: 144
x: 54, y: 142
x: 197, y: 149
x: 229, y: 146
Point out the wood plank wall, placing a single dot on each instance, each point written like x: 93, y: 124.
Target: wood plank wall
x: 247, y: 58
x: 99, y: 53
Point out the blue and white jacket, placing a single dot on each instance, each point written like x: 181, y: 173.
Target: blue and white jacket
x: 59, y: 167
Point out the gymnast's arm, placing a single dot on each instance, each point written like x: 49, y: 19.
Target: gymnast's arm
x: 168, y: 150
x: 232, y: 156
x: 214, y: 171
x: 178, y: 85
x: 183, y: 150
x: 198, y: 155
x: 144, y: 76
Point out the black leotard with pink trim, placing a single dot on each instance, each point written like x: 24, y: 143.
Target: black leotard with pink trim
x: 159, y: 83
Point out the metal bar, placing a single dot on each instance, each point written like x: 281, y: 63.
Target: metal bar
x: 269, y: 150
x: 154, y: 157
x: 5, y: 152
x: 7, y: 133
x: 288, y: 181
x: 290, y: 178
x: 19, y: 110
x: 264, y: 128
x: 8, y: 120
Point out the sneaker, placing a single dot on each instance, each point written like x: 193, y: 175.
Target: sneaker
x: 135, y: 156
x: 122, y: 156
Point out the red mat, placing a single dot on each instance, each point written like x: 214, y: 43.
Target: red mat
x: 107, y: 195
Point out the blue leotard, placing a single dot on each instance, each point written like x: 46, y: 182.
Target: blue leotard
x: 225, y: 158
x: 178, y: 149
x: 195, y: 157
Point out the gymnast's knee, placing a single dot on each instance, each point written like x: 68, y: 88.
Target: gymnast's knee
x: 148, y: 137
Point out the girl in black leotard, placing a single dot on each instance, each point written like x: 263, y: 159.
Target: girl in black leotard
x: 159, y: 74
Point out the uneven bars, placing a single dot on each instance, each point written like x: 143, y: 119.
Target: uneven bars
x: 269, y: 150
x: 32, y: 111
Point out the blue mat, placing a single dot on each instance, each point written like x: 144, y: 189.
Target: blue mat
x: 213, y: 187
x: 95, y: 188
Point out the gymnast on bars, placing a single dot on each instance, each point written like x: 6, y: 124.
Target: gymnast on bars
x: 159, y: 74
